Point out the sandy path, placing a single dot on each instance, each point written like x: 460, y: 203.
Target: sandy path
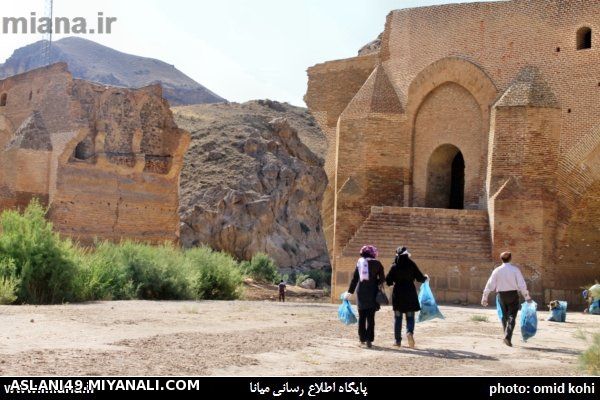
x: 256, y: 338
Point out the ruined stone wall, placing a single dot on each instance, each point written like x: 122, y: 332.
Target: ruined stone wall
x: 105, y: 160
x: 534, y: 163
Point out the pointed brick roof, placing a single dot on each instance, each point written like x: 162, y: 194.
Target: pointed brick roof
x: 377, y: 95
x: 32, y: 134
x: 529, y: 89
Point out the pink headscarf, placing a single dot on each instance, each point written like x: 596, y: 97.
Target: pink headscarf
x: 369, y: 251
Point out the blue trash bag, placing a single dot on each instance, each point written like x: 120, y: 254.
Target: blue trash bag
x: 499, y: 308
x: 429, y: 308
x: 345, y: 313
x: 595, y: 307
x: 559, y: 314
x: 528, y: 320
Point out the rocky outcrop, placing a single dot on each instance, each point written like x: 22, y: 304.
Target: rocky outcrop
x: 96, y: 63
x: 250, y: 184
x: 371, y: 47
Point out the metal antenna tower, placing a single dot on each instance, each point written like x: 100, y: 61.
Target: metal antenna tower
x: 47, y: 38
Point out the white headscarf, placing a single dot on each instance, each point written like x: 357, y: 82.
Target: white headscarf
x: 363, y: 268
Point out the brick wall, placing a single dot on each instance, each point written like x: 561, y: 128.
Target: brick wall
x: 533, y: 161
x: 107, y: 160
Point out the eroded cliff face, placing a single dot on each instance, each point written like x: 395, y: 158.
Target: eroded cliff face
x: 250, y: 184
x: 105, y: 160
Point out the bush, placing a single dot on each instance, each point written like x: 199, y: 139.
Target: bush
x: 8, y: 290
x: 320, y: 276
x: 142, y: 271
x: 131, y: 270
x: 590, y: 359
x: 103, y: 276
x: 38, y: 267
x: 301, y: 278
x: 9, y: 283
x: 213, y: 275
x: 261, y: 268
x: 44, y: 263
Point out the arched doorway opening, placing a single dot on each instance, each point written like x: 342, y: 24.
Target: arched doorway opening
x: 446, y: 178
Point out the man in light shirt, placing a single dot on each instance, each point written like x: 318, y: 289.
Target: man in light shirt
x: 507, y: 281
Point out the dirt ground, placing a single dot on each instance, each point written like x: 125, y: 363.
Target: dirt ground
x: 267, y: 338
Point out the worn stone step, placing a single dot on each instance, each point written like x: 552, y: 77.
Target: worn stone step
x: 441, y: 235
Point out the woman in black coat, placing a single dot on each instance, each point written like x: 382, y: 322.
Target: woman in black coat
x: 368, y: 276
x: 403, y: 273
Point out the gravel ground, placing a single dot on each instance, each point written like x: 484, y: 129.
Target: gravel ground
x: 266, y: 338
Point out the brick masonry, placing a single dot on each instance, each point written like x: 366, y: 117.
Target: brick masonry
x: 105, y: 160
x: 504, y: 83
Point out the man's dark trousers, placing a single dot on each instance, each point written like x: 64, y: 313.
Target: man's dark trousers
x: 509, y: 303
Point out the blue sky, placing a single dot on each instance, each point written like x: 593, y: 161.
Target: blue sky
x: 240, y: 49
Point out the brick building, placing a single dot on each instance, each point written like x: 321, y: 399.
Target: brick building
x: 105, y: 160
x: 474, y: 128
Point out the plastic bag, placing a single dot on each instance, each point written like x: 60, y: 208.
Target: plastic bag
x: 499, y: 308
x: 595, y: 307
x: 429, y: 308
x: 345, y: 313
x: 559, y: 314
x: 528, y: 320
x: 382, y: 298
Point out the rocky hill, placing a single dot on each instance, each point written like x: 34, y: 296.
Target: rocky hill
x: 253, y: 180
x: 93, y: 62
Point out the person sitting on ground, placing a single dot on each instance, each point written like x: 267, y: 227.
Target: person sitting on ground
x: 592, y: 297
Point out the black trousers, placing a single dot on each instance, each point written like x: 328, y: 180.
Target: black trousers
x: 366, y: 325
x: 509, y: 303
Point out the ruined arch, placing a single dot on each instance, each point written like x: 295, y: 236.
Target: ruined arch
x: 449, y: 102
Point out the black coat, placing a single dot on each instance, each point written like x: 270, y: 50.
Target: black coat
x: 367, y: 290
x: 403, y: 273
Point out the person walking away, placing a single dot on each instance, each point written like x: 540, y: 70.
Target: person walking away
x: 402, y: 275
x: 368, y: 276
x: 281, y: 291
x: 507, y: 281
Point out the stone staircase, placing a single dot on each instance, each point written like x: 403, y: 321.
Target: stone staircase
x: 455, y: 236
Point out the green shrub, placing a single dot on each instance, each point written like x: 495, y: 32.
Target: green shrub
x: 144, y: 271
x: 8, y: 290
x: 291, y: 278
x: 590, y: 359
x: 131, y: 270
x: 9, y: 283
x: 104, y: 276
x: 44, y: 263
x: 262, y: 268
x: 301, y: 278
x: 213, y: 275
x: 38, y: 267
